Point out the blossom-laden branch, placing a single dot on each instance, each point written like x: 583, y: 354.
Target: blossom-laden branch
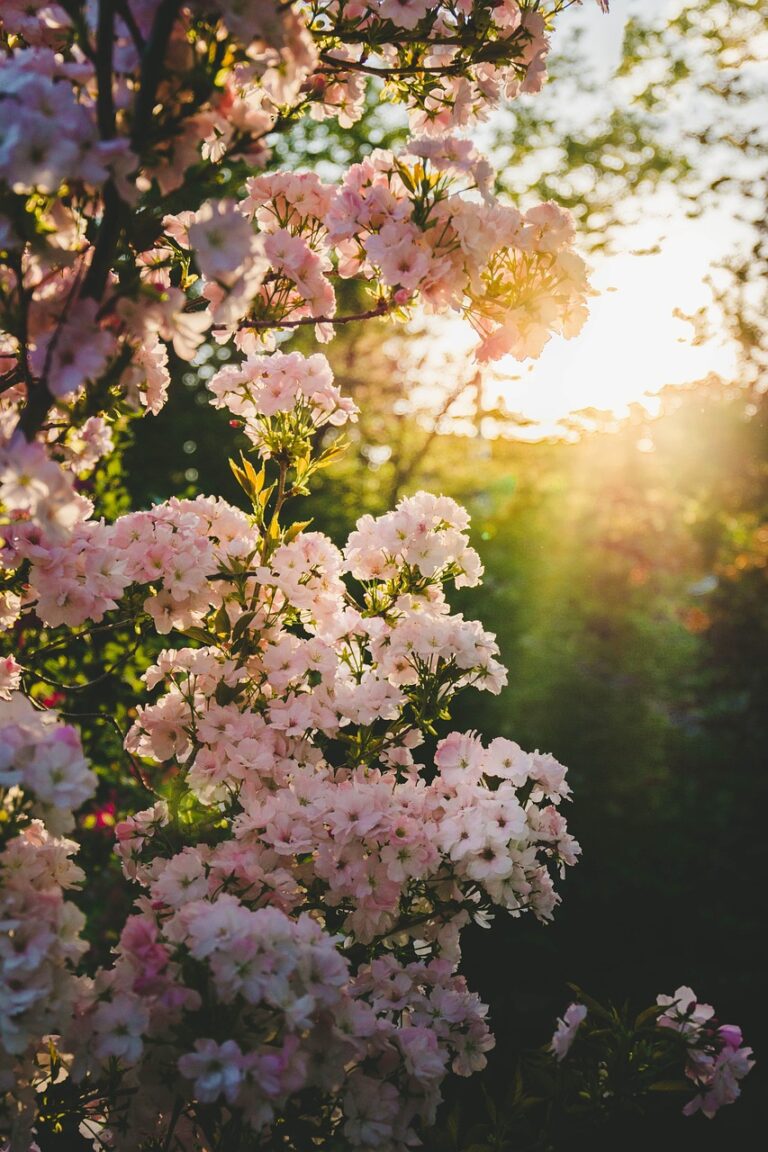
x: 304, y: 875
x: 380, y: 310
x: 292, y: 812
x: 289, y: 972
x: 81, y: 167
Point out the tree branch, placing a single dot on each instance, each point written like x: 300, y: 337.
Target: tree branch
x: 152, y: 61
x: 105, y: 38
x: 127, y: 17
x: 335, y: 65
x: 40, y: 398
x: 381, y: 309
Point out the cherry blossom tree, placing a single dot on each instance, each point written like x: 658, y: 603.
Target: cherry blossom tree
x: 315, y: 837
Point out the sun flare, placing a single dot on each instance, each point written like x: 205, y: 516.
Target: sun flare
x: 635, y: 342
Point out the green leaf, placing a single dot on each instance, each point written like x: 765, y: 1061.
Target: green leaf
x: 239, y: 474
x: 295, y: 529
x: 199, y: 634
x: 241, y: 626
x: 263, y: 497
x: 593, y: 1005
x: 251, y: 481
x: 405, y: 176
x: 648, y: 1015
x: 255, y: 479
x: 670, y: 1086
x: 221, y: 621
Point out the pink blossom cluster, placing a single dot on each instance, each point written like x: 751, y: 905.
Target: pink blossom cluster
x: 43, y: 778
x: 10, y: 676
x: 294, y: 729
x: 280, y: 398
x: 291, y: 1021
x: 363, y: 841
x: 276, y: 981
x: 48, y: 131
x: 455, y: 88
x: 716, y: 1058
x: 46, y: 24
x: 43, y: 760
x: 513, y: 275
x: 275, y: 71
x: 81, y: 148
x: 297, y: 202
x: 425, y: 534
x: 35, y: 486
x: 40, y: 944
x: 290, y: 210
x: 169, y: 551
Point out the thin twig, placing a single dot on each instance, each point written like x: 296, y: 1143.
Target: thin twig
x: 125, y: 14
x: 89, y: 683
x: 62, y: 641
x: 335, y: 65
x: 175, y: 1115
x: 107, y: 719
x: 381, y: 309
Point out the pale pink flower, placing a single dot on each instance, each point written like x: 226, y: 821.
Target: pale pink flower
x: 10, y: 676
x: 567, y: 1028
x: 217, y: 1070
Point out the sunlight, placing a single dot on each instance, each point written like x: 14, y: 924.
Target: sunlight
x: 632, y: 346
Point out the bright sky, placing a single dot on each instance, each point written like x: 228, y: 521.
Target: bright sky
x: 633, y: 344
